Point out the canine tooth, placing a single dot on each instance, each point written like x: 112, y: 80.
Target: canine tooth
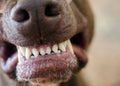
x: 42, y: 52
x: 65, y: 43
x: 22, y: 49
x: 19, y: 56
x: 35, y: 52
x: 62, y: 47
x: 28, y: 53
x: 48, y: 50
x: 70, y: 46
x: 55, y: 48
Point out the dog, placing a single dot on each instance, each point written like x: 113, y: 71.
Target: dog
x: 44, y: 42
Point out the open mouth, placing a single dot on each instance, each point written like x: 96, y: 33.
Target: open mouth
x: 43, y: 51
x: 45, y: 62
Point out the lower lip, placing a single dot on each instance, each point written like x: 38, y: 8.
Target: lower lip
x: 48, y: 65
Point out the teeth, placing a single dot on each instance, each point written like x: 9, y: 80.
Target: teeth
x: 55, y: 48
x: 22, y: 49
x: 62, y: 46
x: 19, y: 56
x: 48, y: 50
x: 70, y: 46
x: 42, y: 52
x: 58, y: 51
x: 35, y: 52
x: 28, y: 53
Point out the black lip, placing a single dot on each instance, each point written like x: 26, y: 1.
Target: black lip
x: 8, y: 55
x: 81, y: 56
x: 10, y: 64
x: 80, y: 45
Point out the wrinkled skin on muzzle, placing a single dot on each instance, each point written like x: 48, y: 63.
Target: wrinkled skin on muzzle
x: 45, y: 41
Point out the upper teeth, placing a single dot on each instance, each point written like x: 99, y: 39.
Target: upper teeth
x: 42, y: 52
x: 62, y: 46
x: 48, y: 50
x: 35, y: 52
x: 70, y: 46
x: 22, y: 49
x: 55, y: 48
x: 28, y: 53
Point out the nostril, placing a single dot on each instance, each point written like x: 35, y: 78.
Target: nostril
x: 21, y: 15
x: 52, y: 10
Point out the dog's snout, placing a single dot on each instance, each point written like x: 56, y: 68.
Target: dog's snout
x: 32, y: 22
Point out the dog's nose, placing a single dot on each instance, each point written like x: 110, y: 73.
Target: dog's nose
x: 25, y: 11
x: 38, y: 21
x: 20, y: 15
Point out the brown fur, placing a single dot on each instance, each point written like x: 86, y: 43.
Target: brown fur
x: 83, y: 28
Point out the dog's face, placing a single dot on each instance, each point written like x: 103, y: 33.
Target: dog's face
x: 42, y: 41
